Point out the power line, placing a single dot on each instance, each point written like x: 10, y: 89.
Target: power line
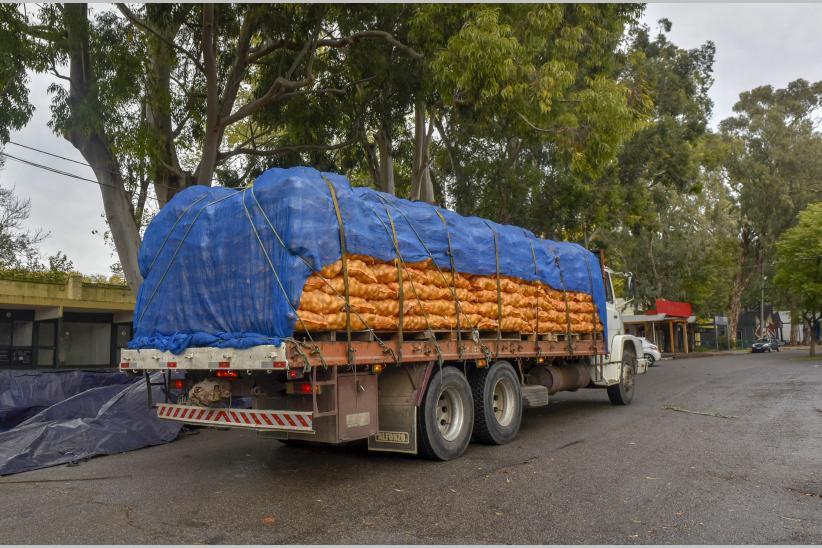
x: 41, y: 151
x: 52, y: 169
x: 49, y: 153
x: 66, y: 173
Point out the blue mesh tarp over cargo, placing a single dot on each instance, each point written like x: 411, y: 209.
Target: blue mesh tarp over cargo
x: 221, y: 265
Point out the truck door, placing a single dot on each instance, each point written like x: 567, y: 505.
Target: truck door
x: 615, y: 326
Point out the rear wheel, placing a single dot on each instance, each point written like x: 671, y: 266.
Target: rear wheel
x: 497, y: 403
x: 446, y: 415
x: 623, y: 393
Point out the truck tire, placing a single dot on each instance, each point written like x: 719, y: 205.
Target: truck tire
x: 497, y: 403
x: 623, y: 393
x: 446, y: 416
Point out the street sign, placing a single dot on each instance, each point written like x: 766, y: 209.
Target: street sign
x: 721, y: 320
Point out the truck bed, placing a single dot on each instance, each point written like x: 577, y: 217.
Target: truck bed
x: 368, y: 348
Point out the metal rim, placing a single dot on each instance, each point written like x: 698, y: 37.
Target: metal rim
x: 450, y: 413
x: 503, y: 401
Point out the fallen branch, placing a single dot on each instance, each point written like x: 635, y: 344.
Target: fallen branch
x: 98, y: 478
x: 706, y: 413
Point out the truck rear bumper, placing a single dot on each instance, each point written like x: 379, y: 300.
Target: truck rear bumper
x: 254, y: 419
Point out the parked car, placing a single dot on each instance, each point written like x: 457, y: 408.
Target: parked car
x: 651, y: 351
x: 765, y: 345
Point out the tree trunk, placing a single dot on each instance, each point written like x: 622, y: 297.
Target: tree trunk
x: 213, y: 126
x: 386, y: 162
x: 422, y: 188
x: 794, y: 326
x: 453, y: 158
x: 94, y: 145
x: 165, y: 167
x: 740, y: 283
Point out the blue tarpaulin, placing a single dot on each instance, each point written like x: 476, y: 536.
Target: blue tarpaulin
x: 26, y: 393
x: 224, y: 267
x: 89, y: 414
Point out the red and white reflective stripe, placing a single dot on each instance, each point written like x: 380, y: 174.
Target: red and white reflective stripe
x: 265, y: 419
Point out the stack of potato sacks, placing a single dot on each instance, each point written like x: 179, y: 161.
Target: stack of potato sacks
x: 429, y: 301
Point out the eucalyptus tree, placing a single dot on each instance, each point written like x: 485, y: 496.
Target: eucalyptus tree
x: 774, y: 165
x: 163, y: 84
x: 799, y: 266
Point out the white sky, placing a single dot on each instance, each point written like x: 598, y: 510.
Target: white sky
x: 756, y: 44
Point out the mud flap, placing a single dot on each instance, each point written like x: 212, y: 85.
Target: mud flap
x: 398, y: 430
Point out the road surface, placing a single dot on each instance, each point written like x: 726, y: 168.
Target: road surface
x: 581, y: 471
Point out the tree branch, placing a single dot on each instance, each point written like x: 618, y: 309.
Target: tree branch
x: 139, y: 23
x: 356, y: 37
x: 289, y: 148
x: 550, y: 130
x: 210, y: 64
x: 237, y: 72
x: 280, y: 86
x: 255, y: 54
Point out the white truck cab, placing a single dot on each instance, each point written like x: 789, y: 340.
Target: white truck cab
x: 625, y: 357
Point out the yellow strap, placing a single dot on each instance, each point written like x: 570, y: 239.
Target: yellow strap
x: 536, y: 273
x: 567, y: 306
x: 413, y: 288
x: 499, y: 292
x: 344, y: 254
x: 401, y: 288
x: 457, y: 305
x: 594, y: 326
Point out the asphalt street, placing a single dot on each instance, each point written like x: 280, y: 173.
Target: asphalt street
x: 581, y: 471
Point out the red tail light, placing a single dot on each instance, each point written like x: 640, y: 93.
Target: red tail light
x: 301, y: 389
x: 178, y: 384
x: 224, y: 365
x: 227, y: 374
x: 171, y: 364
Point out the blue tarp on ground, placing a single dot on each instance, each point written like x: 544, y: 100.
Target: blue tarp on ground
x: 26, y: 393
x: 104, y: 413
x: 217, y: 274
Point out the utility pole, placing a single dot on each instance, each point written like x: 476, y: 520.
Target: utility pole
x: 763, y: 331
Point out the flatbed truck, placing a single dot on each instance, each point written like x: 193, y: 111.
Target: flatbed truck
x: 429, y: 393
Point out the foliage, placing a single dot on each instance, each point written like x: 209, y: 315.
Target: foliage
x: 799, y: 263
x: 531, y: 111
x: 663, y: 211
x: 18, y: 246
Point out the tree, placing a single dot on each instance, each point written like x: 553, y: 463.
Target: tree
x: 529, y: 105
x: 774, y: 165
x: 661, y: 211
x: 799, y: 266
x: 163, y: 84
x: 18, y: 245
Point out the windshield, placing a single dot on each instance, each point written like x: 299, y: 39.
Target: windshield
x: 762, y: 340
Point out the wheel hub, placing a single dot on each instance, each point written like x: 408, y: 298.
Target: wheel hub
x: 503, y: 401
x: 450, y: 413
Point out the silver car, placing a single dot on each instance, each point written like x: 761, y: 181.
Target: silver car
x: 651, y: 351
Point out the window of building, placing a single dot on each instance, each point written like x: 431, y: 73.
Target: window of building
x: 86, y: 344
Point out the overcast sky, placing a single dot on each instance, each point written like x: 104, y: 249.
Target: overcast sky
x: 756, y: 44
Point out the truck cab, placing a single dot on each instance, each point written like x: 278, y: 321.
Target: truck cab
x: 625, y: 357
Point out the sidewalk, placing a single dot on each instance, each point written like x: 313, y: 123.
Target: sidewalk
x: 683, y: 356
